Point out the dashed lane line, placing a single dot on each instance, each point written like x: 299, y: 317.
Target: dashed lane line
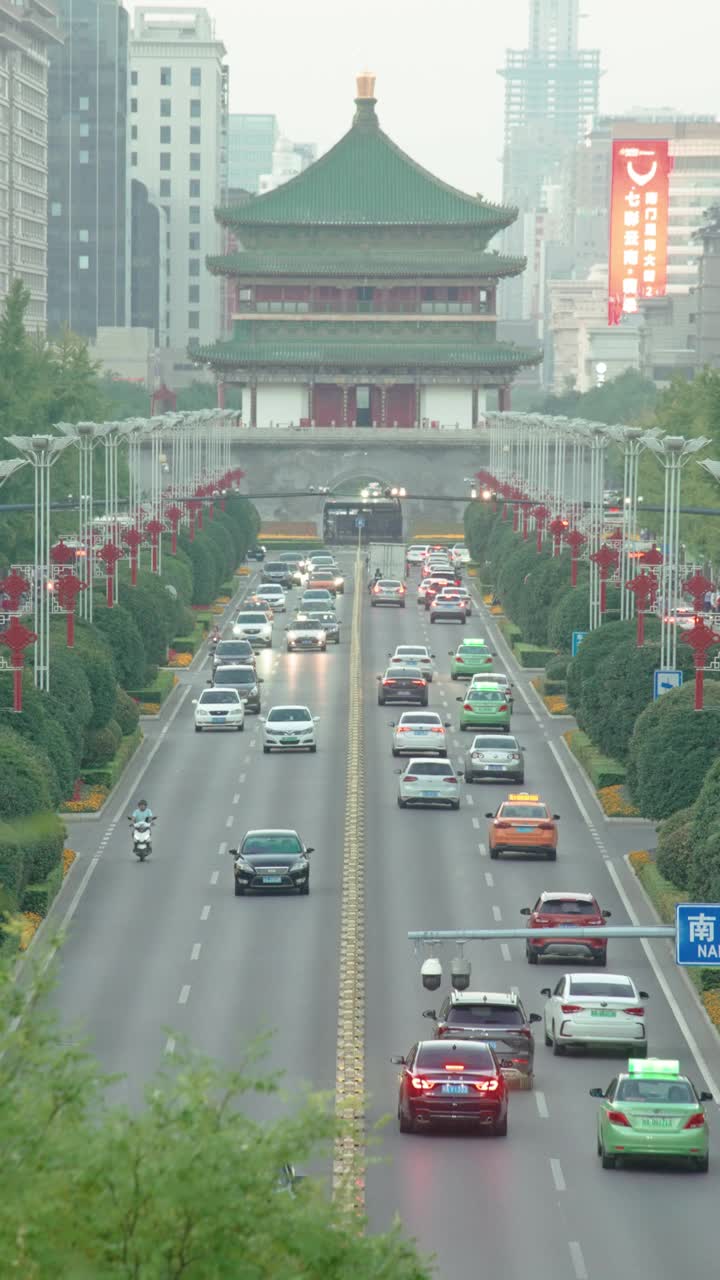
x: 204, y: 914
x: 214, y: 877
x: 482, y: 850
x: 223, y: 848
x: 170, y: 1045
x: 184, y: 994
x: 497, y: 913
x: 241, y: 779
x: 578, y: 1261
x: 505, y: 952
x: 229, y: 820
x: 541, y: 1104
x: 195, y: 953
x: 476, y: 823
x: 489, y: 880
x: 557, y: 1175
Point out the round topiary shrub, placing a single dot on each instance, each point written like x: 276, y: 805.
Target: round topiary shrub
x: 675, y: 853
x: 128, y: 652
x: 103, y: 687
x: 101, y: 744
x: 127, y: 712
x: 557, y: 668
x: 671, y: 751
x: 25, y: 783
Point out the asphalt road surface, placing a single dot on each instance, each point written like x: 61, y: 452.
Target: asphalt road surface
x: 163, y: 949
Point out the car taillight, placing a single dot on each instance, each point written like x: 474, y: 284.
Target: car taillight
x: 525, y: 1031
x: 460, y: 660
x: 618, y: 1117
x: 637, y: 1011
x: 454, y: 1066
x: 503, y: 706
x: 419, y: 1082
x: 450, y: 779
x: 389, y: 682
x: 467, y: 706
x: 404, y: 728
x: 420, y: 682
x: 500, y: 823
x: 571, y: 1008
x: 542, y: 922
x: 545, y: 826
x: 437, y: 729
x: 695, y: 1122
x: 486, y: 1086
x: 409, y: 777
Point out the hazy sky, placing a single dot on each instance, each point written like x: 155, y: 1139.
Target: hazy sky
x: 439, y: 95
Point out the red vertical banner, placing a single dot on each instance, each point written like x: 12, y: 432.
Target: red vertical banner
x: 638, y: 224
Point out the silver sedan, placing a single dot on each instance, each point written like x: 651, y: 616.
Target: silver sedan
x: 419, y: 731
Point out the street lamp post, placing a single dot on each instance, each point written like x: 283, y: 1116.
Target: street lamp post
x: 631, y: 439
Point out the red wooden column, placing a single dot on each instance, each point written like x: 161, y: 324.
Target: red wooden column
x: 503, y: 399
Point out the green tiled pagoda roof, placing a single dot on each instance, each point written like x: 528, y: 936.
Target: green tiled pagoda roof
x: 273, y: 351
x: 365, y: 265
x: 366, y: 180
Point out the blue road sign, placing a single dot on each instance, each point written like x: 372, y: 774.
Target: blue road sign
x: 697, y: 933
x: 577, y: 639
x: 359, y: 522
x: 665, y: 680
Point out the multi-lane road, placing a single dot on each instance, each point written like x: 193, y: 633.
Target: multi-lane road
x: 164, y: 949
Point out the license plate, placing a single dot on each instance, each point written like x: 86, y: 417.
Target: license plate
x: 272, y: 879
x: 455, y: 1088
x: 524, y: 828
x: 657, y: 1122
x: 431, y: 795
x: 602, y: 1013
x: 290, y: 742
x: 219, y: 719
x: 421, y: 733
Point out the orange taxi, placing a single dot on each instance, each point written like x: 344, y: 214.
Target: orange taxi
x: 255, y: 603
x: 326, y: 580
x: 523, y: 824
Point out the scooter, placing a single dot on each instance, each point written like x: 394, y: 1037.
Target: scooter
x: 214, y: 638
x: 142, y: 837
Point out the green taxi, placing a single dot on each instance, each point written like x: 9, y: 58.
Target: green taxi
x: 485, y: 706
x: 651, y: 1110
x: 470, y: 658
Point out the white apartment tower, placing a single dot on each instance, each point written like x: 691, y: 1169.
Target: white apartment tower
x: 27, y: 32
x: 178, y: 149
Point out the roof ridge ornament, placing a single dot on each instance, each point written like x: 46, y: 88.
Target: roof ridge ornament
x: 365, y: 116
x: 366, y: 86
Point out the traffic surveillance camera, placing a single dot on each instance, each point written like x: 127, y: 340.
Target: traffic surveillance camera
x: 431, y: 974
x: 460, y: 971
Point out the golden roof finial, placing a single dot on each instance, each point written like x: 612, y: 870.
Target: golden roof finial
x: 366, y: 85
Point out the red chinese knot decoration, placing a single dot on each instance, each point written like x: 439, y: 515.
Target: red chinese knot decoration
x: 110, y: 554
x: 701, y: 639
x: 16, y: 638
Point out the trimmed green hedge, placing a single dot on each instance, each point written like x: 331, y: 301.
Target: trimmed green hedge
x: 533, y: 655
x: 108, y: 775
x: 510, y: 631
x: 40, y: 897
x: 158, y: 691
x: 601, y: 770
x: 552, y: 687
x: 186, y: 644
x: 29, y: 851
x: 671, y: 750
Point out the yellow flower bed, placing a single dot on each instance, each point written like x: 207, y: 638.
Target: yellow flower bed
x: 149, y: 708
x: 181, y: 660
x: 223, y: 600
x: 31, y: 923
x: 487, y: 599
x: 614, y: 803
x: 218, y: 608
x: 69, y: 856
x: 711, y: 1003
x: 639, y: 858
x: 91, y: 802
x: 243, y: 571
x: 557, y: 706
x: 497, y: 609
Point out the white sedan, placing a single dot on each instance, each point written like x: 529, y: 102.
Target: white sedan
x: 418, y: 731
x: 460, y: 553
x: 305, y: 633
x: 290, y: 728
x: 591, y: 1011
x: 414, y: 655
x: 219, y: 708
x: 273, y: 593
x: 428, y: 782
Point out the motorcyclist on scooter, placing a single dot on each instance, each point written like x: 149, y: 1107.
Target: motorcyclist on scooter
x: 143, y: 813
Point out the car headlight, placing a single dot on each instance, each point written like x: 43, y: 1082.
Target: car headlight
x: 339, y: 582
x: 242, y: 865
x: 300, y: 865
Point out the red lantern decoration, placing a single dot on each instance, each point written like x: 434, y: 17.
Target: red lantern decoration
x: 558, y: 528
x: 174, y: 515
x: 110, y: 554
x: 700, y: 638
x: 541, y: 514
x: 645, y: 588
x: 133, y: 539
x: 13, y: 589
x: 652, y: 558
x: 605, y: 559
x: 69, y: 587
x: 16, y: 638
x: 575, y: 540
x: 154, y: 528
x: 62, y: 554
x: 194, y: 506
x: 698, y: 586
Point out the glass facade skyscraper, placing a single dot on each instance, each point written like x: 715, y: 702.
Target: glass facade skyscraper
x: 251, y: 142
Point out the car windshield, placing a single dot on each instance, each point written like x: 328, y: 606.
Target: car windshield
x: 494, y: 744
x: 275, y: 566
x: 485, y: 1015
x: 235, y: 675
x: 218, y: 697
x: 420, y: 717
x: 316, y: 595
x: 566, y: 907
x: 269, y: 589
x: 390, y: 583
x: 472, y: 650
x: 484, y: 695
x: 438, y: 768
x: 304, y: 625
x: 658, y: 1091
x: 234, y: 649
x: 328, y: 619
x: 434, y: 1055
x: 523, y: 811
x: 289, y: 714
x: 254, y: 615
x: 412, y: 673
x: 411, y: 651
x: 272, y: 842
x: 587, y: 987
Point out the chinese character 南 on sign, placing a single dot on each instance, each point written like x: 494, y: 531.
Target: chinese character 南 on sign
x: 638, y: 225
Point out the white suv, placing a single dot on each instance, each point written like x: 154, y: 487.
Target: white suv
x: 273, y: 593
x: 253, y: 625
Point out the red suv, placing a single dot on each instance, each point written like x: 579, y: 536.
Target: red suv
x: 553, y: 909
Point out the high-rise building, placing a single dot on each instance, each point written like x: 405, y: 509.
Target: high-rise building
x: 147, y: 261
x: 288, y: 160
x: 88, y: 192
x: 251, y: 142
x: 27, y: 32
x: 178, y: 149
x: 708, y: 293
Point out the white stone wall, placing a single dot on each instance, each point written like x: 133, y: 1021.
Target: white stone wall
x: 280, y: 404
x: 450, y: 406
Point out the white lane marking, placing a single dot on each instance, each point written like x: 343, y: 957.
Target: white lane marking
x: 229, y: 821
x: 489, y: 880
x: 497, y: 913
x: 675, y: 1009
x: 222, y: 849
x: 236, y: 798
x: 205, y: 913
x: 170, y: 1044
x: 184, y: 994
x: 541, y: 1103
x: 241, y: 779
x: 214, y: 877
x: 247, y: 760
x: 483, y: 851
x: 505, y: 951
x: 557, y: 1175
x: 476, y: 823
x: 578, y: 1261
x: 195, y: 953
x: 469, y: 800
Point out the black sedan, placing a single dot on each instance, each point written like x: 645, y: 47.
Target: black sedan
x: 233, y: 653
x: 451, y: 1082
x: 270, y: 859
x: 402, y: 684
x: 256, y: 553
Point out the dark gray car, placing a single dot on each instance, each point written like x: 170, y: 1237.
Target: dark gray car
x: 233, y: 653
x: 243, y: 678
x: 279, y: 571
x: 494, y: 755
x: 498, y: 1019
